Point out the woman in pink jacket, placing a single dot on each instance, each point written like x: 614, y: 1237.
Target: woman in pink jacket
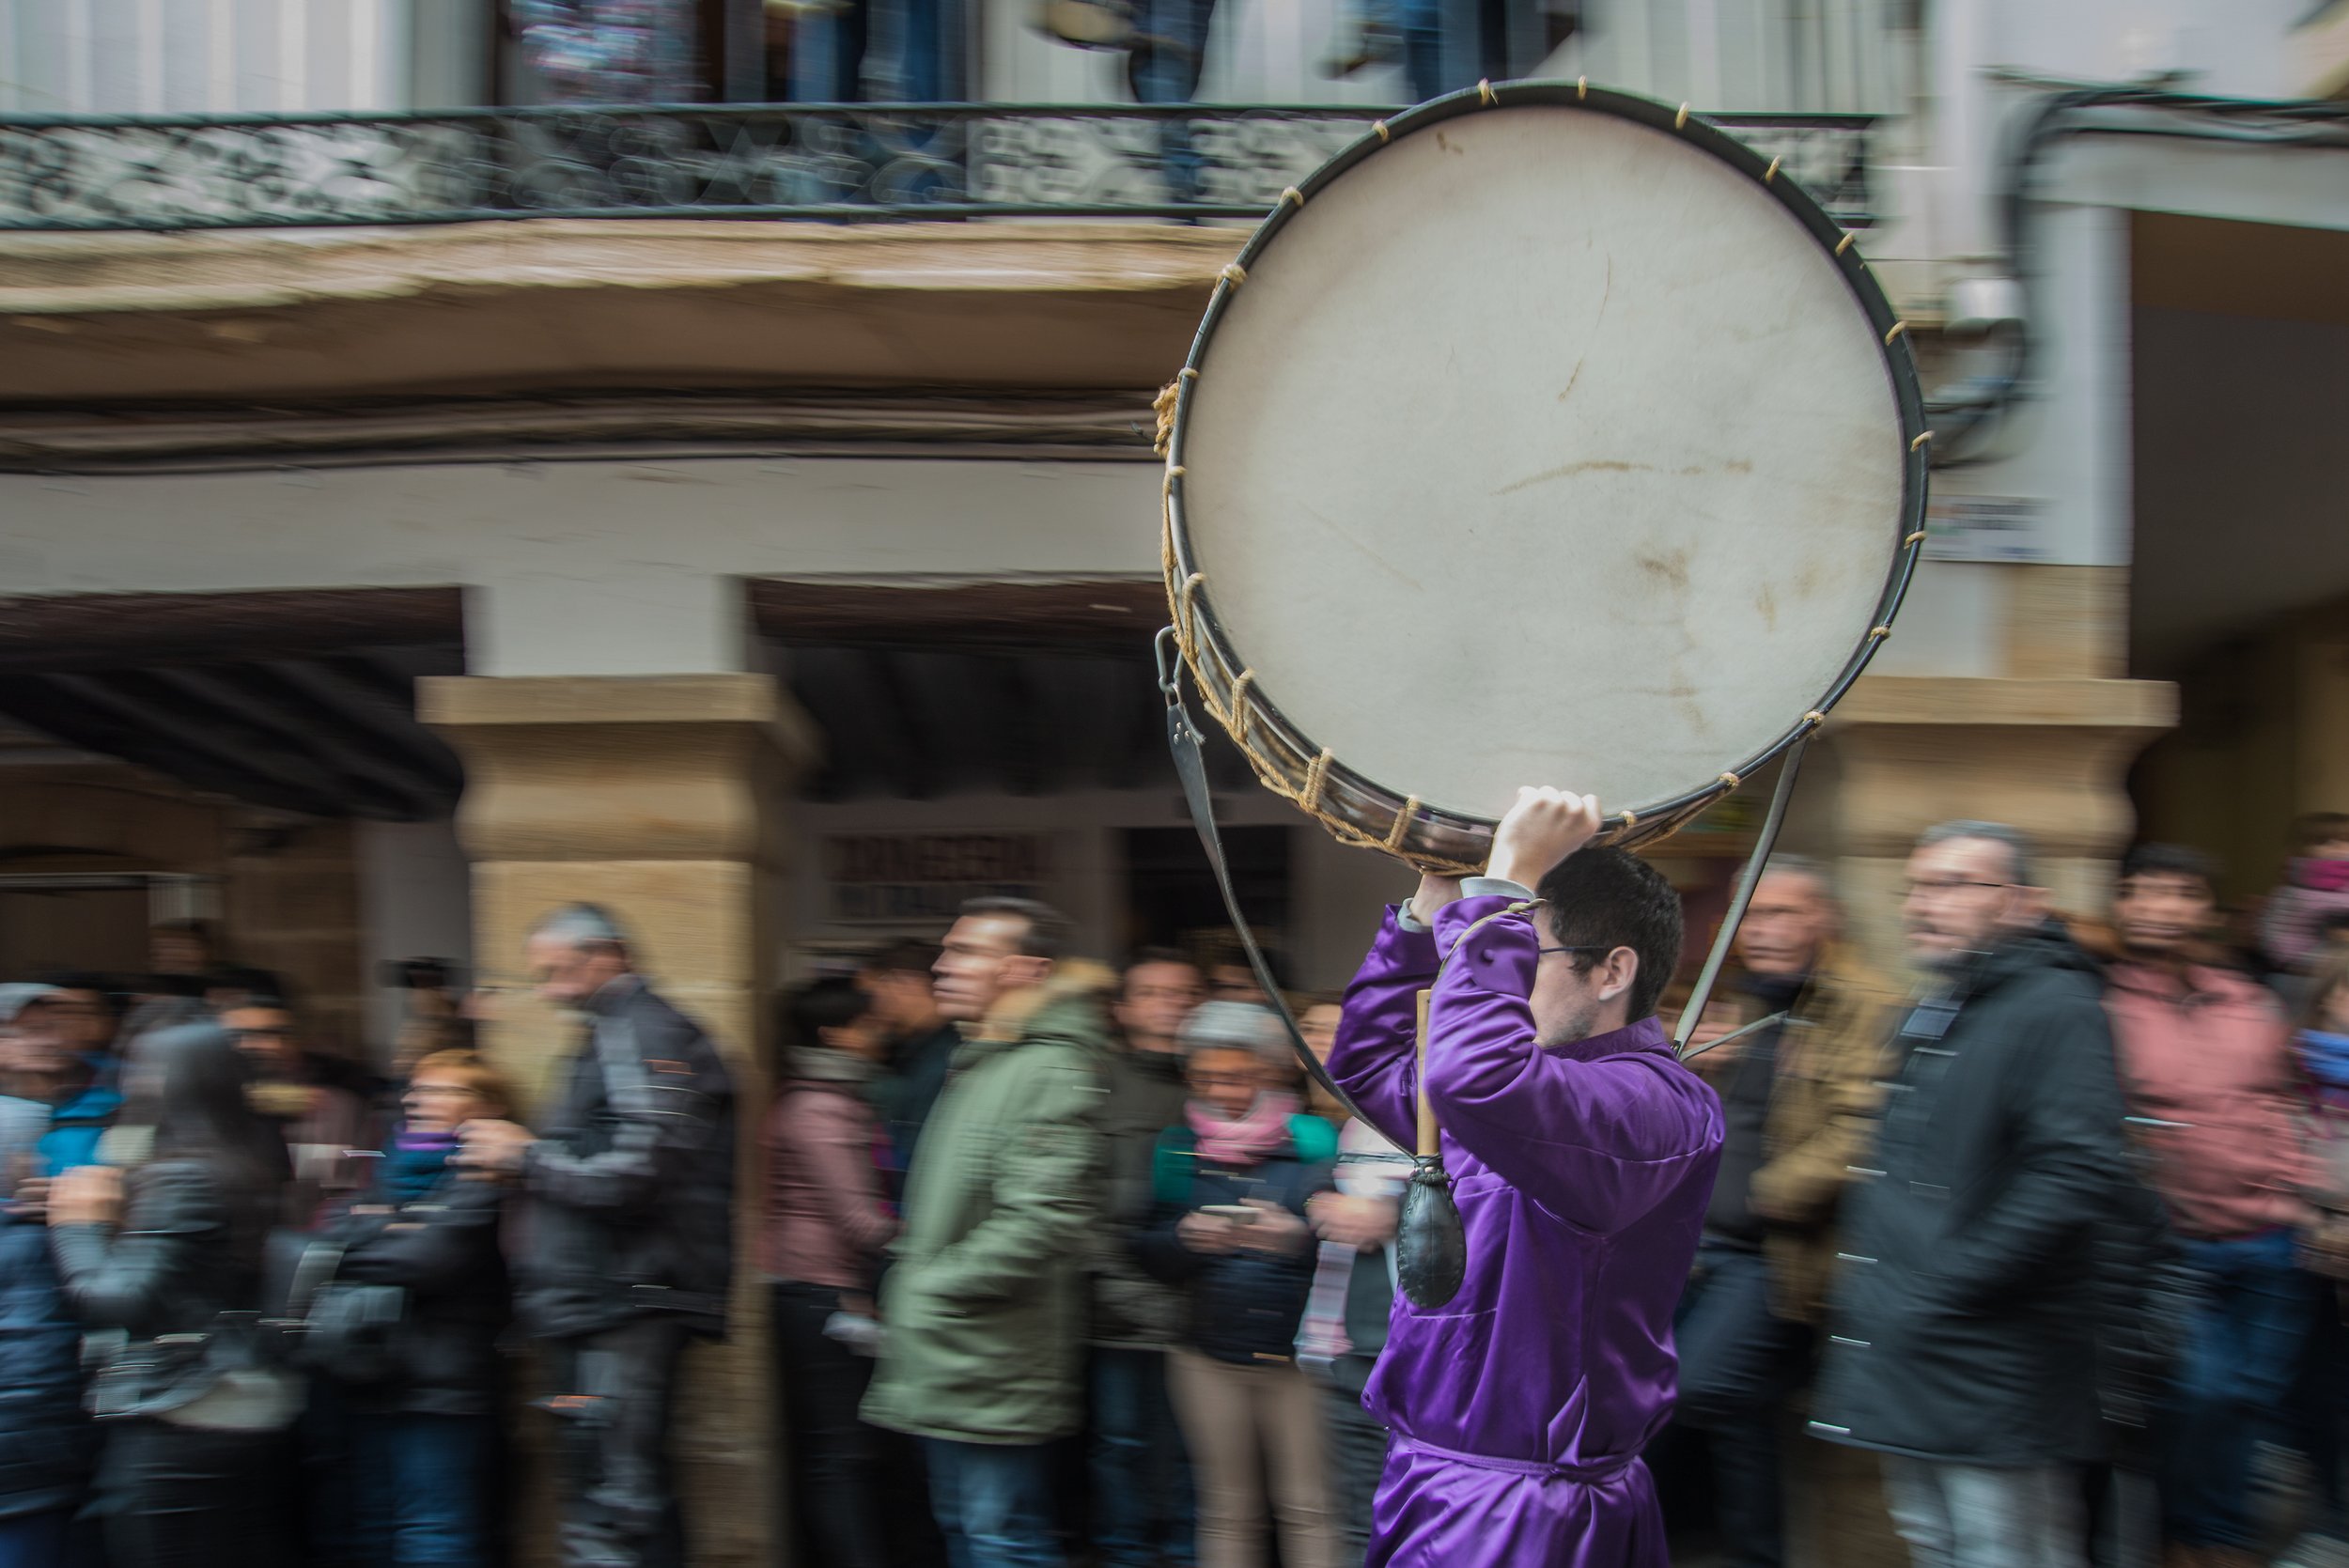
x: 820, y: 1242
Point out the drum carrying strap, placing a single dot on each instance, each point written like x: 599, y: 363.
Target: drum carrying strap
x: 1430, y: 1250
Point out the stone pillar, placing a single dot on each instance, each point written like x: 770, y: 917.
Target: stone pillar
x: 291, y: 901
x: 657, y: 797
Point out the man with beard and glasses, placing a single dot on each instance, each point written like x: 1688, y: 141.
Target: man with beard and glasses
x: 1966, y: 1318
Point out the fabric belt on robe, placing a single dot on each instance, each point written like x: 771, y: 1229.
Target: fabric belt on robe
x: 1589, y: 1472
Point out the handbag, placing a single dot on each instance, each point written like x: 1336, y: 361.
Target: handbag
x: 343, y: 1330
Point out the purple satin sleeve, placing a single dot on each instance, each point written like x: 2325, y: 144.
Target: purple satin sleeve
x: 1598, y: 1143
x: 1375, y: 1055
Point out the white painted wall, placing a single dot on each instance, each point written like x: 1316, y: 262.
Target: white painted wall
x: 597, y: 568
x: 607, y: 568
x: 2065, y: 448
x: 414, y: 902
x: 197, y: 57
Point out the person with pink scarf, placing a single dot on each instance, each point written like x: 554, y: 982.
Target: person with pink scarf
x: 1231, y: 1184
x: 2315, y: 893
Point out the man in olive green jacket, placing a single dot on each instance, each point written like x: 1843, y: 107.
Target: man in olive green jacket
x: 985, y: 1307
x: 1799, y: 1099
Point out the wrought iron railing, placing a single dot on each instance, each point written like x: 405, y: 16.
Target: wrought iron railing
x: 840, y: 162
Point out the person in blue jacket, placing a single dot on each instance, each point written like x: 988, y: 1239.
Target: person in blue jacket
x: 47, y: 1443
x: 42, y: 1061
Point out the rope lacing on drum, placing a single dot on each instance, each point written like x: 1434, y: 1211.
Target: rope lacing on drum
x: 1316, y: 776
x: 1164, y: 405
x: 1484, y: 92
x: 1922, y: 437
x: 1239, y: 705
x: 1771, y: 173
x: 1402, y: 822
x: 1187, y: 619
x: 1235, y: 275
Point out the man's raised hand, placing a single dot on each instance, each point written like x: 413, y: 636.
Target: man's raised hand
x: 1542, y: 828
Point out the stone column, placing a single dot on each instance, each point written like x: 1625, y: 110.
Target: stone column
x: 657, y: 797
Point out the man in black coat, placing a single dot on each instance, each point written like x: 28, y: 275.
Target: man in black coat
x: 626, y: 1218
x: 1964, y: 1321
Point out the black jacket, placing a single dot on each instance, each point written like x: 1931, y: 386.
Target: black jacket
x: 1244, y: 1305
x: 46, y: 1442
x: 1967, y: 1315
x: 442, y: 1251
x: 180, y: 1278
x: 906, y: 1094
x: 628, y: 1197
x: 1130, y: 1307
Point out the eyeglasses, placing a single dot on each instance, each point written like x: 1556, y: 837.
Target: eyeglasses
x: 1937, y: 888
x: 1586, y: 947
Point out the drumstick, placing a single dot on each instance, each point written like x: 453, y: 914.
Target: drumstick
x: 1427, y: 1134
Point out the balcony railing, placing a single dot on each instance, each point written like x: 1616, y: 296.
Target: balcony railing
x: 830, y: 161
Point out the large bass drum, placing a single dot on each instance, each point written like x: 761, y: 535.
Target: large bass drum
x: 1547, y: 435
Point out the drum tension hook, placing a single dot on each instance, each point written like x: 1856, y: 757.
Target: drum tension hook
x: 1170, y: 669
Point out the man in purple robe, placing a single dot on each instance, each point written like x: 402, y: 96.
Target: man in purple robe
x: 1581, y: 1156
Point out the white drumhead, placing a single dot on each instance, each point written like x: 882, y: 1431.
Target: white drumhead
x: 1543, y: 447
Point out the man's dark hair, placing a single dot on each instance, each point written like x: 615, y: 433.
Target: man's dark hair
x: 108, y: 989
x: 1229, y: 954
x: 832, y: 1003
x: 1047, y: 927
x: 2321, y: 827
x: 904, y: 956
x: 261, y: 987
x: 201, y: 931
x: 2170, y: 860
x: 1605, y: 898
x: 2020, y: 855
x: 1144, y: 955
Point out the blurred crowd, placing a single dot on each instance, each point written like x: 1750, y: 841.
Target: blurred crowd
x: 1067, y: 1263
x: 613, y: 52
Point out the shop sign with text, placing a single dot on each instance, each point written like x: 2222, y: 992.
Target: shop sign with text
x: 908, y: 878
